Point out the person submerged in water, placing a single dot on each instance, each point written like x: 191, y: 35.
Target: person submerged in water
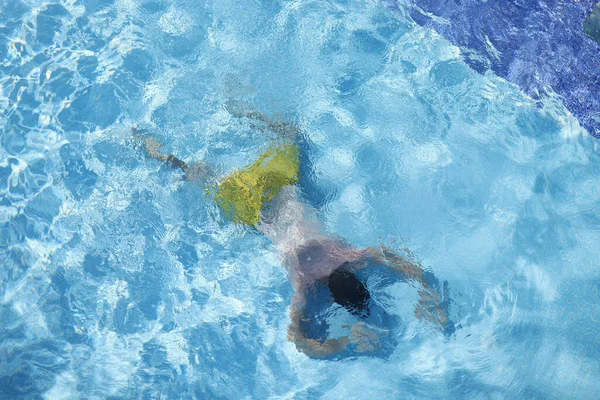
x: 264, y: 196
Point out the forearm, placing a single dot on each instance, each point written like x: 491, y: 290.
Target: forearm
x: 315, y: 349
x: 406, y: 268
x: 312, y: 347
x: 433, y: 298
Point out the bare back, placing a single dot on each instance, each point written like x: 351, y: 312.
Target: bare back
x: 308, y: 253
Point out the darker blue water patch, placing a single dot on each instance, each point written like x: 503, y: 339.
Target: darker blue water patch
x: 200, y: 297
x: 212, y: 346
x: 143, y: 216
x: 87, y: 67
x: 525, y: 333
x: 78, y: 179
x: 540, y: 46
x: 182, y: 47
x: 133, y: 314
x: 580, y: 299
x: 149, y: 306
x: 95, y: 106
x: 591, y: 220
x: 187, y: 255
x: 21, y: 227
x: 369, y: 159
x: 32, y: 369
x: 154, y: 355
x: 44, y: 206
x: 388, y: 28
x: 49, y: 22
x: 11, y: 15
x: 126, y: 87
x: 60, y: 282
x: 541, y: 184
x: 66, y: 307
x: 349, y: 83
x: 12, y: 324
x: 367, y: 42
x: 140, y: 64
x: 153, y: 7
x: 97, y: 265
x: 38, y: 174
x: 551, y: 184
x: 16, y: 261
x: 408, y: 67
x: 12, y: 10
x: 5, y: 173
x: 81, y: 32
x: 449, y: 73
x: 463, y: 194
x: 466, y: 384
x: 161, y: 115
x: 559, y: 180
x: 11, y: 233
x: 25, y: 116
x: 111, y: 153
x: 60, y: 86
x: 106, y: 152
x: 313, y: 190
x: 92, y: 6
x: 537, y: 124
x: 540, y: 240
x: 156, y: 369
x: 128, y: 318
x: 13, y: 141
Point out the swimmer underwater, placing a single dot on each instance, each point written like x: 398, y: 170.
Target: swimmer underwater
x: 263, y: 196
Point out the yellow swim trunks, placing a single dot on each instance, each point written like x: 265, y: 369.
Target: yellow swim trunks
x: 243, y: 194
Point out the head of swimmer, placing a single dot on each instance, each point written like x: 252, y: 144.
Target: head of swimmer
x: 348, y: 291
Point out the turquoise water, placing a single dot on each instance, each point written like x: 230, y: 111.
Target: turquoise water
x: 122, y: 280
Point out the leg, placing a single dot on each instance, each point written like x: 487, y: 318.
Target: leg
x: 151, y: 145
x: 193, y: 172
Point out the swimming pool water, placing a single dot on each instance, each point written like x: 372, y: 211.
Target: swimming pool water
x: 121, y: 280
x: 545, y: 47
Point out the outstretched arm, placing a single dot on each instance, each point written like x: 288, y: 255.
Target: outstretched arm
x: 311, y: 347
x: 392, y: 259
x: 433, y: 300
x: 365, y: 338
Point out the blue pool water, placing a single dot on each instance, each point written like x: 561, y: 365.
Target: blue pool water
x: 545, y: 47
x: 121, y: 280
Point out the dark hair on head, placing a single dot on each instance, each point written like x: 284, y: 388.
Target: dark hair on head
x: 348, y: 291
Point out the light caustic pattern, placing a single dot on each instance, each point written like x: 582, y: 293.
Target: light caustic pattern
x: 119, y: 279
